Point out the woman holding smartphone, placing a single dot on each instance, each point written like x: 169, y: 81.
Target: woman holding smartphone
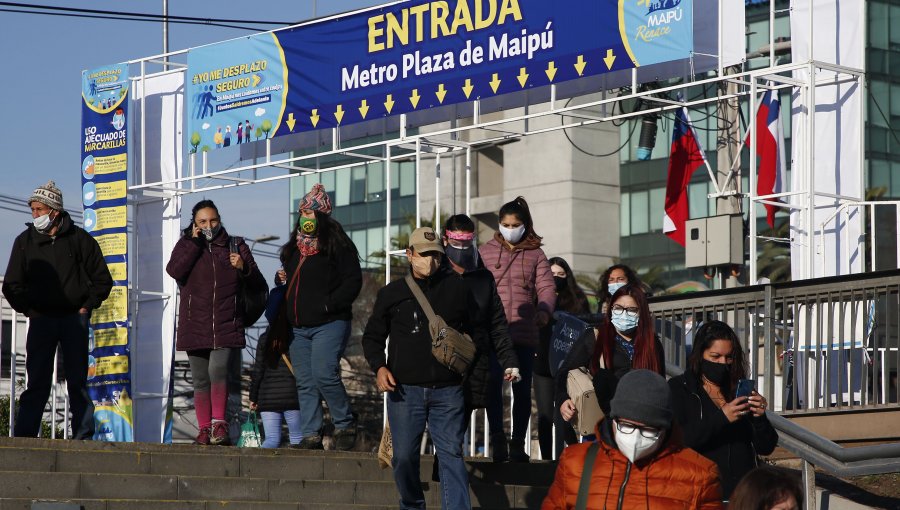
x: 208, y: 264
x: 727, y: 428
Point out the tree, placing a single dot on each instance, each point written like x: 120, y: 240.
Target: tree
x: 195, y: 141
x: 258, y: 133
x: 205, y: 148
x: 266, y: 126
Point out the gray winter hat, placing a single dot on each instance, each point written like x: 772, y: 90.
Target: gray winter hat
x: 643, y: 396
x: 49, y: 195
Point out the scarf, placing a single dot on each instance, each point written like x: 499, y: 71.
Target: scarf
x: 308, y: 245
x: 627, y: 346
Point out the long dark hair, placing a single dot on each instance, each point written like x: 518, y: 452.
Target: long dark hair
x: 645, y: 355
x: 519, y: 209
x: 708, y: 333
x: 203, y: 204
x: 572, y: 298
x: 763, y: 487
x: 332, y: 238
x: 604, y: 279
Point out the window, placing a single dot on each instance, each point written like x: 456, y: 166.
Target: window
x: 697, y: 201
x: 625, y: 215
x: 407, y: 179
x: 342, y: 187
x: 640, y: 221
x: 375, y: 183
x: 358, y: 185
x: 657, y: 208
x: 878, y: 25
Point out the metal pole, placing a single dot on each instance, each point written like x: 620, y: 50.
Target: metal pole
x: 165, y: 28
x: 144, y: 123
x: 772, y: 33
x: 387, y: 223
x: 811, y: 166
x: 469, y: 182
x: 418, y: 179
x: 754, y: 266
x: 437, y: 192
x: 809, y: 486
x: 14, y: 340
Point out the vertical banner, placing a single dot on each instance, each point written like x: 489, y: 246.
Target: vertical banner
x: 104, y: 182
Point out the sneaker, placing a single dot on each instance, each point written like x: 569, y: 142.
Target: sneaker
x: 219, y: 434
x: 203, y: 436
x: 345, y: 439
x: 311, y: 443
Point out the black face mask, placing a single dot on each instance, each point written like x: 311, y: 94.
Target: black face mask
x: 561, y: 283
x: 466, y: 258
x: 718, y: 373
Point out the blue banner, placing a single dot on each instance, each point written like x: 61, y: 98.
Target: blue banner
x: 415, y: 55
x: 104, y: 182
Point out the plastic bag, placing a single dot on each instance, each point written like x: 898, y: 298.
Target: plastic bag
x: 250, y: 432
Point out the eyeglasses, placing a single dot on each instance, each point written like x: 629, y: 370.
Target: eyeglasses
x: 629, y: 428
x: 631, y: 312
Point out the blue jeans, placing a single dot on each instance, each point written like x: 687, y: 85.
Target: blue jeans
x: 409, y: 409
x: 316, y: 356
x: 271, y: 421
x: 521, y: 391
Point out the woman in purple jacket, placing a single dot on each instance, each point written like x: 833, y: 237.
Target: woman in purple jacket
x: 208, y: 264
x: 528, y: 292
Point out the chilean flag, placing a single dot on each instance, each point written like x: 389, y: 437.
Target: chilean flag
x: 685, y: 157
x: 770, y: 150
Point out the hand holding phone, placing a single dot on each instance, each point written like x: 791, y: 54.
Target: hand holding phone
x: 233, y: 245
x: 744, y: 388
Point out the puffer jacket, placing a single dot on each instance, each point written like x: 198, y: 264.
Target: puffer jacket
x: 208, y: 315
x: 272, y: 385
x: 675, y: 478
x: 525, y: 285
x: 732, y: 446
x: 493, y: 336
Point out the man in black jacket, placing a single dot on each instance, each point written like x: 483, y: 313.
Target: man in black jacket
x: 56, y: 277
x: 421, y: 390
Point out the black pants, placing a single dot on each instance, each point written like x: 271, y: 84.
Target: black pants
x: 70, y: 332
x: 548, y: 415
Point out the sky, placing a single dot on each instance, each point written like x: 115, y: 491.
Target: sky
x: 40, y: 98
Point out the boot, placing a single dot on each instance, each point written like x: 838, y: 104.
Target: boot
x: 517, y: 451
x: 499, y: 448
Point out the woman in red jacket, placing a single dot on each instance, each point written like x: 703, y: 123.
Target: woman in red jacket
x: 210, y: 326
x: 528, y: 292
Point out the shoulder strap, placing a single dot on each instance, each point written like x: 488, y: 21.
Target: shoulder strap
x: 420, y: 297
x: 584, y: 486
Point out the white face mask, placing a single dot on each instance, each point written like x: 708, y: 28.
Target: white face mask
x: 512, y: 235
x: 43, y: 223
x: 635, y: 446
x: 613, y: 287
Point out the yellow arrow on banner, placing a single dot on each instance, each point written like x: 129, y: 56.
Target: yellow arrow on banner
x: 414, y: 98
x: 339, y: 114
x: 495, y: 83
x: 523, y: 77
x: 256, y: 80
x: 551, y: 71
x: 389, y: 103
x: 467, y: 88
x: 291, y: 122
x: 364, y: 108
x: 610, y: 58
x: 441, y: 93
x: 579, y: 65
x: 314, y: 117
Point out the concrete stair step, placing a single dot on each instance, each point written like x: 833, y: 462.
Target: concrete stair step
x: 254, y: 463
x: 112, y: 504
x: 148, y: 487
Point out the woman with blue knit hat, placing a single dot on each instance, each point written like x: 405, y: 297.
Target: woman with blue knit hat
x: 323, y: 277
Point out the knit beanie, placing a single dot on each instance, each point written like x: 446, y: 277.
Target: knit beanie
x: 49, y: 195
x: 316, y: 200
x: 643, y: 396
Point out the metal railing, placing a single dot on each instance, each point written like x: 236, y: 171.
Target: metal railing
x: 823, y: 344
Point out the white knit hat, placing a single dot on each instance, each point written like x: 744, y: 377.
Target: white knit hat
x: 49, y: 195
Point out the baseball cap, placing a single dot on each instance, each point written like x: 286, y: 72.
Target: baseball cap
x: 424, y: 239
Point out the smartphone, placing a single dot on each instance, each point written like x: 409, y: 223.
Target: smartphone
x: 233, y: 245
x: 744, y: 388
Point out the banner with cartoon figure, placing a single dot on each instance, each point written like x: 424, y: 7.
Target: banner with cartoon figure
x: 410, y: 56
x: 104, y: 179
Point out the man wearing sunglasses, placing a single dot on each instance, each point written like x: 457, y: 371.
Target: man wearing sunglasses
x: 638, y: 460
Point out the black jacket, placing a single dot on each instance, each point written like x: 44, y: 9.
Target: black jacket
x: 397, y: 314
x: 580, y: 356
x: 56, y: 275
x: 491, y: 335
x: 732, y: 446
x: 324, y: 290
x: 272, y: 385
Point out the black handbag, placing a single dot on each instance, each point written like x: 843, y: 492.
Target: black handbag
x: 252, y: 296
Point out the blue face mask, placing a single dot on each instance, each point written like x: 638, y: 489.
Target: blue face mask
x: 624, y: 323
x: 613, y: 287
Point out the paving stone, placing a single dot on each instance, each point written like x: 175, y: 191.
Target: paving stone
x: 195, y: 465
x: 137, y: 487
x: 286, y: 467
x: 75, y: 461
x: 222, y: 489
x: 52, y: 486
